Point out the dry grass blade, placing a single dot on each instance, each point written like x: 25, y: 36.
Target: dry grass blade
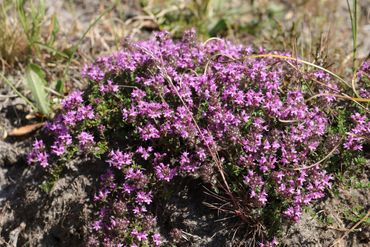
x: 337, y: 241
x: 304, y: 62
x: 76, y: 47
x: 323, y: 159
x: 346, y: 97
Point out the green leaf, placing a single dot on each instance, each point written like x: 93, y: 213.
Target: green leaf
x: 219, y: 27
x: 52, y: 50
x: 35, y: 81
x: 59, y: 87
x: 55, y: 30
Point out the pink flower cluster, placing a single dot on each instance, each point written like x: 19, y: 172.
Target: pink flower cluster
x: 38, y: 154
x: 161, y: 108
x: 363, y: 76
x: 359, y: 134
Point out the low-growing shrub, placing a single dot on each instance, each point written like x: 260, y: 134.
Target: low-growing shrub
x: 257, y: 130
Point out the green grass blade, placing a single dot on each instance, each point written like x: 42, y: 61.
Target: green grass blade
x: 10, y: 84
x: 304, y: 62
x: 52, y: 49
x: 34, y: 78
x: 75, y: 47
x: 59, y: 87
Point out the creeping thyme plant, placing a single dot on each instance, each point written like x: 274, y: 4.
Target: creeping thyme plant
x: 257, y: 130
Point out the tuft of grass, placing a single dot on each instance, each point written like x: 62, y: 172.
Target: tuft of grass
x: 212, y: 17
x: 77, y: 45
x: 13, y: 42
x: 31, y: 18
x: 22, y: 28
x: 28, y: 42
x: 356, y: 213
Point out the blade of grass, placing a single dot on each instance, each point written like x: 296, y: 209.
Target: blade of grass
x: 31, y: 20
x: 59, y: 87
x: 53, y: 92
x: 354, y: 20
x: 52, y: 49
x: 304, y: 62
x: 10, y: 84
x: 340, y: 96
x: 35, y: 80
x: 75, y: 47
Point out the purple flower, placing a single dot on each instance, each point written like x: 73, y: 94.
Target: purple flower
x: 164, y: 172
x: 359, y: 133
x: 70, y: 118
x: 38, y: 145
x: 42, y: 158
x: 145, y: 153
x: 85, y: 139
x: 58, y: 148
x: 128, y: 188
x: 93, y: 73
x: 118, y: 159
x: 85, y: 112
x: 143, y: 197
x: 157, y: 239
x: 73, y: 100
x: 139, y: 235
x: 109, y: 87
x: 138, y: 94
x: 183, y: 99
x: 139, y: 210
x: 148, y: 132
x: 38, y: 154
x: 97, y: 225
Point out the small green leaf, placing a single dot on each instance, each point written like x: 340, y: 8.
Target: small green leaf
x: 59, y: 87
x: 52, y: 50
x: 47, y: 186
x: 219, y: 27
x: 35, y: 80
x: 55, y: 30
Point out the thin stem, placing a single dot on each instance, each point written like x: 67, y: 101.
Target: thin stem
x: 17, y: 92
x: 304, y: 62
x: 75, y: 47
x: 323, y: 159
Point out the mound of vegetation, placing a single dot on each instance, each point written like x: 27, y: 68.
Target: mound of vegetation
x: 263, y: 131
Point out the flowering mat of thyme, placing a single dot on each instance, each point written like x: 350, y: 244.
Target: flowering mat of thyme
x: 179, y: 142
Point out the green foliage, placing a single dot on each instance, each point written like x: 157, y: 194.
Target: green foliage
x: 35, y: 80
x: 272, y: 216
x: 31, y: 19
x: 356, y: 213
x: 55, y: 173
x: 355, y: 183
x: 102, y: 149
x: 54, y: 31
x: 59, y: 87
x: 339, y: 125
x: 320, y: 216
x: 345, y: 162
x: 213, y: 17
